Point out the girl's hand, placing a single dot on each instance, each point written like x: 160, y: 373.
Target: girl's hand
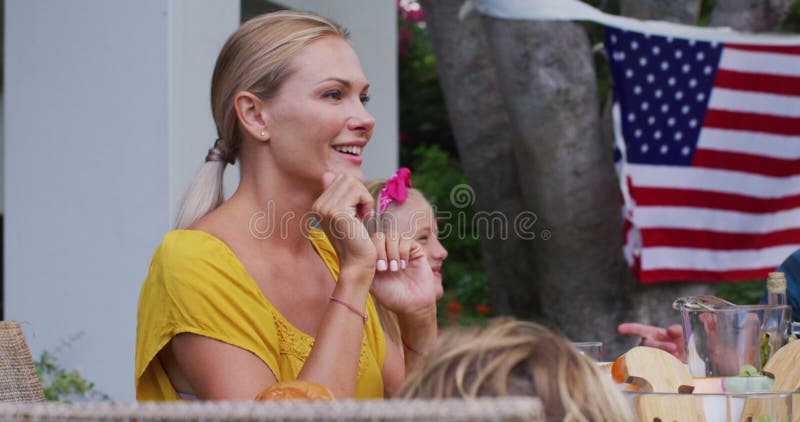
x: 404, y: 282
x: 343, y: 205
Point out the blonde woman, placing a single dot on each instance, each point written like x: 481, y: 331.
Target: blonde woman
x: 509, y: 357
x: 229, y: 307
x: 402, y: 209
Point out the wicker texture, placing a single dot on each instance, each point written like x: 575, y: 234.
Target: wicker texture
x: 18, y: 379
x: 484, y: 409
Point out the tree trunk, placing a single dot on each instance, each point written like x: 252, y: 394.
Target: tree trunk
x: 684, y: 11
x: 484, y: 139
x: 568, y: 173
x: 751, y: 15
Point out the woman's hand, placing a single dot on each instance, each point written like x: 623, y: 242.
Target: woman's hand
x: 343, y: 205
x: 404, y: 281
x: 669, y: 339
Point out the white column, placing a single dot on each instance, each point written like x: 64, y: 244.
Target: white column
x: 106, y: 119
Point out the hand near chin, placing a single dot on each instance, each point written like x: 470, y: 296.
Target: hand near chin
x: 408, y: 285
x: 341, y: 208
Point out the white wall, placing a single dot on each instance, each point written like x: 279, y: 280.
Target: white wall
x: 373, y: 32
x: 107, y: 118
x: 106, y: 113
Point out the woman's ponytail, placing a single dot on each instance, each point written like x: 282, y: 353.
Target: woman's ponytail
x: 206, y: 191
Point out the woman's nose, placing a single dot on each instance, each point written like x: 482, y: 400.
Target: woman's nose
x: 361, y: 121
x: 439, y: 252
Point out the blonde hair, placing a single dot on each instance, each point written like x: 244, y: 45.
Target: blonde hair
x: 256, y: 58
x: 391, y: 327
x: 511, y: 357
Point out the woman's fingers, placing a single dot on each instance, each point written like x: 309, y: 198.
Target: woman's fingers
x: 404, y: 250
x: 379, y: 240
x: 392, y: 250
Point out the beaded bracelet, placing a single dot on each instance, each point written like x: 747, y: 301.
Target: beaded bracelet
x: 350, y: 307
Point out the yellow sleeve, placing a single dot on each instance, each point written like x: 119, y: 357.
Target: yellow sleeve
x: 196, y: 285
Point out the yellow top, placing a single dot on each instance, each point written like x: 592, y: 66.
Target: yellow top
x: 197, y: 285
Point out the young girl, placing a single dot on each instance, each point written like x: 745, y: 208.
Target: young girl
x: 401, y: 208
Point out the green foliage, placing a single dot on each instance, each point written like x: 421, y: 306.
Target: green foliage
x: 423, y: 115
x: 438, y: 176
x: 742, y: 293
x: 61, y: 384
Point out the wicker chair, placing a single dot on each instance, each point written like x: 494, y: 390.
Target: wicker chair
x: 18, y: 379
x: 483, y: 409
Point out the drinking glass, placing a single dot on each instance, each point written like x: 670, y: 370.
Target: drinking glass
x: 592, y: 349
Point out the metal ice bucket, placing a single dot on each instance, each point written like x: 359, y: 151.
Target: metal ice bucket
x: 721, y: 338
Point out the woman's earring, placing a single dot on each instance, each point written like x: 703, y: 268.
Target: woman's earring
x: 263, y: 134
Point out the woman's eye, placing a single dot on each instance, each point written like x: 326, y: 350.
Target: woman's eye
x: 334, y: 95
x: 422, y: 239
x: 364, y: 99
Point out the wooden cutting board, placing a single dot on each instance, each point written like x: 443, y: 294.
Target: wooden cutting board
x: 784, y: 367
x: 654, y: 370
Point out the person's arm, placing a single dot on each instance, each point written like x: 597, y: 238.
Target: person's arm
x: 669, y: 339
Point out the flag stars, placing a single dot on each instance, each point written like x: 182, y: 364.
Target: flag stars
x: 707, y: 70
x: 643, y: 61
x: 671, y: 81
x: 656, y: 50
x: 631, y: 117
x: 657, y: 135
x: 678, y: 136
x: 645, y: 106
x: 671, y: 122
x: 629, y: 73
x: 701, y: 97
x: 664, y: 149
x: 637, y: 90
x: 678, y: 95
x: 613, y: 38
x: 634, y: 45
x: 685, y: 109
x: 665, y: 65
x: 678, y: 54
x: 664, y: 108
x: 686, y: 68
x: 645, y: 148
x: 700, y: 56
x: 658, y: 93
x: 693, y: 123
x: 637, y: 133
x: 685, y: 151
x: 651, y: 78
x: 692, y: 83
x: 651, y: 120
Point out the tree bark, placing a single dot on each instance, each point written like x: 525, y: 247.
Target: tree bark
x: 568, y: 173
x: 751, y: 15
x: 484, y: 139
x: 685, y: 11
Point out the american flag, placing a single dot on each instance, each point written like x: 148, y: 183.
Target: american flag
x: 708, y: 154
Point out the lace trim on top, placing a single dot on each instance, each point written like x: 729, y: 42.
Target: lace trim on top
x: 297, y: 344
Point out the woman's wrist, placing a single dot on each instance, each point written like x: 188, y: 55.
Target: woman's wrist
x: 418, y: 330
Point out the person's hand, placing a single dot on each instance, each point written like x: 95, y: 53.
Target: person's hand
x: 669, y: 339
x: 404, y: 282
x: 341, y: 207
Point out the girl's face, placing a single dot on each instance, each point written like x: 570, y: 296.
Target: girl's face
x: 317, y: 121
x: 415, y: 219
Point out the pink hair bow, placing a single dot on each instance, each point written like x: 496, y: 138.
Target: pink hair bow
x: 395, y: 189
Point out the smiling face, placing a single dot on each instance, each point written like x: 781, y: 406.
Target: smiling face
x: 415, y: 219
x: 317, y: 121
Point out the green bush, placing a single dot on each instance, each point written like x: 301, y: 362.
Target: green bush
x: 63, y: 385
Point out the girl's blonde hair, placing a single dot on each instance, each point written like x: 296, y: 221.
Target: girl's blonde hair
x: 391, y: 327
x: 256, y: 58
x: 510, y: 357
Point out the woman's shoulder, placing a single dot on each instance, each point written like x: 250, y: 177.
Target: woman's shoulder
x: 191, y: 244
